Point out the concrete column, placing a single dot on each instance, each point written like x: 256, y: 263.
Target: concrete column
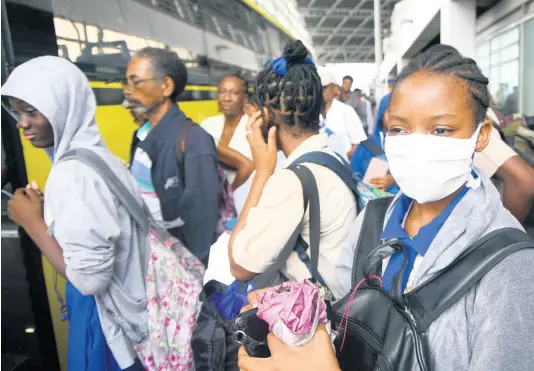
x: 458, y: 25
x: 378, y: 49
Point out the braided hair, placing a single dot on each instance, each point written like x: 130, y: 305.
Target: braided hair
x: 291, y: 85
x: 446, y: 60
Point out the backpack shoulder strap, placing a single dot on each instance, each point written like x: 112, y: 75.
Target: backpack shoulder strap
x: 183, y: 132
x: 372, y: 147
x: 138, y: 213
x: 311, y: 197
x: 430, y: 300
x: 339, y: 166
x: 311, y: 200
x: 369, y: 238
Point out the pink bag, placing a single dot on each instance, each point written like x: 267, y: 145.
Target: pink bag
x: 293, y: 311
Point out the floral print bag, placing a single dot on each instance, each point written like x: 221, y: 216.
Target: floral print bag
x: 173, y: 281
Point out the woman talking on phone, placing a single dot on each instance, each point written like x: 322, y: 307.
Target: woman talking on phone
x: 437, y: 121
x: 289, y: 91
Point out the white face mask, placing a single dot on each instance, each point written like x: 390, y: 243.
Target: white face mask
x: 429, y: 168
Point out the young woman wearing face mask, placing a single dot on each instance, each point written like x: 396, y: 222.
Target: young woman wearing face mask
x: 437, y: 121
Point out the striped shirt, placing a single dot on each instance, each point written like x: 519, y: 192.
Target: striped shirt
x: 141, y: 171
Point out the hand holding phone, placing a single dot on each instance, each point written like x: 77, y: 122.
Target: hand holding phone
x: 264, y: 152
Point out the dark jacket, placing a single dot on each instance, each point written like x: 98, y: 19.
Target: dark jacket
x: 195, y: 203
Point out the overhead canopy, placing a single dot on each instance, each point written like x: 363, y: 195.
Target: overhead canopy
x: 343, y: 30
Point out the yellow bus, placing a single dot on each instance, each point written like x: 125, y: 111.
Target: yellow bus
x: 213, y: 38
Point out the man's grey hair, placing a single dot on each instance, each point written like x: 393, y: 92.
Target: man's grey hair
x: 166, y: 63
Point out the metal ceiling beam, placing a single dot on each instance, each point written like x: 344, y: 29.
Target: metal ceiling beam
x: 342, y: 22
x: 337, y: 48
x: 341, y: 60
x: 337, y: 13
x: 352, y: 49
x: 327, y: 13
x: 344, y: 31
x: 364, y: 56
x: 368, y: 37
x: 354, y: 32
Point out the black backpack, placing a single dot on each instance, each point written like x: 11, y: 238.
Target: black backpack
x: 386, y: 332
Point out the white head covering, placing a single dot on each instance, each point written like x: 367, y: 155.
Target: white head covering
x: 61, y: 92
x: 327, y: 76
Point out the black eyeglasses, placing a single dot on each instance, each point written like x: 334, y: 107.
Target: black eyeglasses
x: 132, y: 84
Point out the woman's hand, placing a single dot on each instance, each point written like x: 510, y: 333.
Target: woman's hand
x: 25, y: 208
x: 252, y: 300
x: 383, y: 182
x: 33, y: 185
x: 317, y: 355
x: 264, y: 154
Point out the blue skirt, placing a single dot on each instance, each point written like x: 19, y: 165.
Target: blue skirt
x: 88, y: 350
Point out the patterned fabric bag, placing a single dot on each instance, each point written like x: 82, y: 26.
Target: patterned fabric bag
x: 173, y: 281
x: 227, y: 209
x: 368, y: 193
x: 173, y: 284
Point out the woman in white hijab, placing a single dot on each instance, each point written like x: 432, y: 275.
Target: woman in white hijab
x: 87, y: 237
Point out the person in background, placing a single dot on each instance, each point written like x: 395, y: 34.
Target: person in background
x: 511, y: 103
x: 369, y: 117
x: 86, y: 235
x: 360, y: 105
x: 356, y: 101
x: 500, y: 161
x: 340, y: 118
x: 228, y: 130
x: 185, y: 204
x: 494, y: 113
x: 290, y: 92
x: 374, y: 148
x: 345, y: 91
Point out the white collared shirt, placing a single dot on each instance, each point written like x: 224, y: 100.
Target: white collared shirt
x: 343, y: 120
x: 280, y: 209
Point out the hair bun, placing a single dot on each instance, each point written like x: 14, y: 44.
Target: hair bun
x: 295, y: 52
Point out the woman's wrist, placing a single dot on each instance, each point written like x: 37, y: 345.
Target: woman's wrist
x: 262, y: 176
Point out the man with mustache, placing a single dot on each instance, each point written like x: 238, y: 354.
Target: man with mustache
x: 184, y: 198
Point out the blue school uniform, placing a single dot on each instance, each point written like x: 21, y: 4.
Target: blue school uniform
x: 87, y: 348
x: 419, y: 244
